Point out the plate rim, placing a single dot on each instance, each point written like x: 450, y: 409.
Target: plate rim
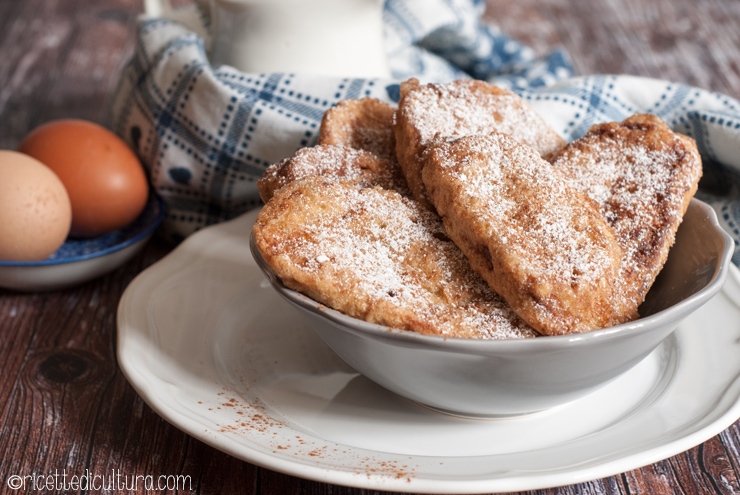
x: 136, y: 376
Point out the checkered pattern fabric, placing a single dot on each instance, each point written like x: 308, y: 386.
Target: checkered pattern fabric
x: 712, y: 119
x: 206, y: 134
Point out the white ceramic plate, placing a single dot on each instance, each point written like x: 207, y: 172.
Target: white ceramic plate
x: 214, y: 350
x: 80, y: 260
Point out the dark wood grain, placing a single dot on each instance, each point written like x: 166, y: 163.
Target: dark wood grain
x: 64, y: 404
x: 686, y: 41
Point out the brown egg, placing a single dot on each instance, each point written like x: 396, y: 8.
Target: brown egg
x: 105, y: 181
x: 35, y: 211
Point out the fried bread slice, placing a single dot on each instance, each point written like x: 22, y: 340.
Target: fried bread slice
x: 363, y: 123
x: 378, y: 256
x: 332, y: 161
x: 539, y: 243
x: 642, y: 175
x: 460, y: 108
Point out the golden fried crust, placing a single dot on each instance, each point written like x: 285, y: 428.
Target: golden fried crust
x: 539, y: 243
x: 463, y: 107
x: 642, y: 175
x: 332, y: 161
x: 375, y: 255
x: 363, y: 123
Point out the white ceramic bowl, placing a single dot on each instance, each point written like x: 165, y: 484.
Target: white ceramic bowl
x: 489, y: 378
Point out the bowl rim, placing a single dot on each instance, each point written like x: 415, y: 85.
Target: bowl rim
x: 659, y: 319
x: 154, y: 202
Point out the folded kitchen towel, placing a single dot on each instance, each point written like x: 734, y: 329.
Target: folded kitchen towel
x: 206, y: 133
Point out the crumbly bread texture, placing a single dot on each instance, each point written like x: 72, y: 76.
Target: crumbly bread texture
x: 340, y: 162
x: 463, y: 107
x: 548, y: 238
x: 380, y: 257
x: 642, y: 176
x: 539, y: 243
x: 363, y: 123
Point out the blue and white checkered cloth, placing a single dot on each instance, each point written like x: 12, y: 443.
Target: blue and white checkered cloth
x: 206, y: 134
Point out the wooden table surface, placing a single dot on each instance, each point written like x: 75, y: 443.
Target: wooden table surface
x: 64, y: 403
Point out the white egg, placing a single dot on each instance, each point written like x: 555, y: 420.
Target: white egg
x: 35, y: 211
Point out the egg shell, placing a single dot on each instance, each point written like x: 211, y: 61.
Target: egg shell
x: 35, y: 210
x: 105, y: 181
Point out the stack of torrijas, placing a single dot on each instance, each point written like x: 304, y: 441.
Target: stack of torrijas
x: 463, y: 213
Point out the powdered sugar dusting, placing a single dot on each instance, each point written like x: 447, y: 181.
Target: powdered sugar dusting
x: 363, y: 123
x: 340, y: 162
x: 538, y: 242
x: 639, y: 178
x: 389, y: 262
x: 473, y: 107
x: 549, y: 230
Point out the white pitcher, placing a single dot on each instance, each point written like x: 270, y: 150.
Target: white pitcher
x: 324, y: 37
